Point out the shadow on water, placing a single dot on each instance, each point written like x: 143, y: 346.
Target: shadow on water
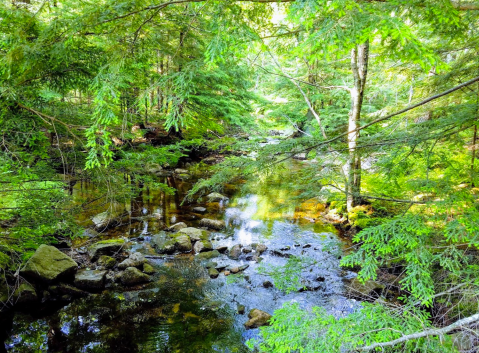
x: 183, y: 310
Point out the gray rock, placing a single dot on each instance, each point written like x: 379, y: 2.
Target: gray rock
x: 261, y: 248
x: 163, y: 243
x: 212, y: 223
x: 211, y: 264
x: 132, y: 276
x: 235, y: 252
x: 213, y: 273
x: 199, y: 209
x: 257, y: 318
x: 90, y: 233
x: 202, y: 246
x: 237, y: 269
x: 216, y: 197
x: 110, y: 217
x: 105, y: 247
x: 183, y: 243
x: 25, y: 294
x: 247, y: 249
x: 195, y: 234
x: 48, y: 264
x: 208, y: 255
x: 134, y: 260
x: 177, y: 226
x: 90, y: 279
x: 181, y: 171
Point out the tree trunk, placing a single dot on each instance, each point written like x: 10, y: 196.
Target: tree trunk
x: 359, y: 67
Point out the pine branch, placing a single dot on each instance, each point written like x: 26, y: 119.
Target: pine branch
x: 426, y: 333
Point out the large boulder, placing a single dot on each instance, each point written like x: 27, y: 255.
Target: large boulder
x: 212, y: 223
x: 163, y: 243
x: 177, y: 226
x: 132, y: 276
x: 90, y: 279
x: 202, y: 246
x: 48, y: 264
x: 216, y: 197
x: 183, y: 243
x: 257, y: 318
x: 25, y: 294
x: 195, y: 234
x: 134, y: 260
x: 235, y: 252
x: 105, y: 247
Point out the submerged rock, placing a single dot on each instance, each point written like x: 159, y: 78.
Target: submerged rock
x: 48, y: 264
x: 235, y: 252
x: 212, y: 223
x: 25, y: 294
x: 216, y: 197
x: 257, y: 318
x: 202, y: 246
x: 134, y: 260
x: 132, y: 276
x: 195, y: 234
x: 177, y: 226
x: 90, y: 279
x: 105, y: 247
x: 199, y: 209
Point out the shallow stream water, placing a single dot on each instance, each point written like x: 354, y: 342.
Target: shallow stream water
x: 183, y: 310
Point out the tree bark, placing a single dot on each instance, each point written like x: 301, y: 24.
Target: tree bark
x: 359, y: 67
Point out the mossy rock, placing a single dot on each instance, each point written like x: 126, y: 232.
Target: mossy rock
x: 208, y: 255
x: 148, y: 269
x: 25, y: 294
x: 105, y: 247
x: 106, y: 261
x: 132, y: 276
x: 183, y: 243
x: 257, y: 318
x: 48, y: 264
x: 195, y: 234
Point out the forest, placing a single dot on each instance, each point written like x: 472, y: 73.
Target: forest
x: 167, y: 165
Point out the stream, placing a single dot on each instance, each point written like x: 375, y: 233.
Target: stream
x: 183, y: 309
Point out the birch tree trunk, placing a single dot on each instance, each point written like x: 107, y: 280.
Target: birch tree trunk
x: 359, y: 67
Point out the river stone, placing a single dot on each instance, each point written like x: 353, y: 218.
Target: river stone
x: 66, y: 289
x: 222, y: 249
x: 257, y: 318
x: 202, y: 246
x: 148, y: 269
x: 213, y: 273
x: 90, y: 279
x: 181, y: 171
x: 105, y: 247
x: 183, y: 243
x: 235, y: 252
x: 208, y: 255
x: 106, y: 261
x: 211, y: 264
x: 212, y: 223
x: 247, y: 249
x: 240, y: 309
x: 177, y: 226
x: 216, y: 197
x: 132, y: 276
x: 48, y: 264
x: 195, y: 234
x: 237, y: 269
x: 109, y: 217
x: 163, y: 243
x: 134, y: 260
x: 199, y: 209
x: 25, y: 294
x: 261, y: 248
